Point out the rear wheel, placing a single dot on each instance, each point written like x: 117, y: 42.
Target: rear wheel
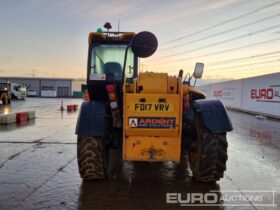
x: 92, y: 157
x: 208, y: 154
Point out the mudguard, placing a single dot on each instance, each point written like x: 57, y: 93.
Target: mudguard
x: 92, y: 119
x: 214, y: 115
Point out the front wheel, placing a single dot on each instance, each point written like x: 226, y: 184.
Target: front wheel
x: 208, y: 154
x: 92, y: 157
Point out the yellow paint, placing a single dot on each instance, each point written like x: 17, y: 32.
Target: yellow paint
x: 197, y: 91
x: 186, y: 89
x: 139, y: 148
x: 153, y: 144
x: 95, y: 35
x: 174, y: 99
x: 172, y: 85
x: 150, y: 82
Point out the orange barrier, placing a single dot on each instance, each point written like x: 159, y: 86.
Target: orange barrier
x: 22, y: 116
x: 75, y: 107
x: 72, y: 108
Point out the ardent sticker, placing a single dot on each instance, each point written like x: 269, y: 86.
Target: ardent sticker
x: 152, y: 122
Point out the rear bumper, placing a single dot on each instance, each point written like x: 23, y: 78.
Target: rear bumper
x: 142, y: 148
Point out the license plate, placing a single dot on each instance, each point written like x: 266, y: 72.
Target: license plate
x: 151, y: 107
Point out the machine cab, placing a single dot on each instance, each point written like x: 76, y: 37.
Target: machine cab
x: 105, y: 62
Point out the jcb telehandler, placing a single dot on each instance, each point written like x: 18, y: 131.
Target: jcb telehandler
x: 150, y: 116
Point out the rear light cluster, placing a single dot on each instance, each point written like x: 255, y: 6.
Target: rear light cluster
x: 112, y: 96
x: 186, y: 102
x: 86, y: 96
x: 110, y: 88
x: 111, y: 91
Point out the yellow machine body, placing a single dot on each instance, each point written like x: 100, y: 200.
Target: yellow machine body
x: 152, y: 121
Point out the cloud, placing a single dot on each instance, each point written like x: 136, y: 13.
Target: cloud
x: 219, y: 4
x: 86, y: 9
x: 6, y: 59
x: 170, y: 12
x: 208, y: 7
x: 141, y: 12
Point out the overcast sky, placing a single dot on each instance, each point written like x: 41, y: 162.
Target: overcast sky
x: 234, y: 38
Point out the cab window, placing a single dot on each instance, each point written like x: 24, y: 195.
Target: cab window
x: 109, y: 59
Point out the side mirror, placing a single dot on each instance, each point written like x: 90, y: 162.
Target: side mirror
x: 198, y: 70
x: 144, y: 44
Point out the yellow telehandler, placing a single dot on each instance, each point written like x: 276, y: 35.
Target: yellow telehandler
x: 149, y: 116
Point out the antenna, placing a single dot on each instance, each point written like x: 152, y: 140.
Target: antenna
x: 119, y: 24
x: 33, y: 72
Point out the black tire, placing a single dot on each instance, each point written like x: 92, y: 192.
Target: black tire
x: 5, y: 100
x: 208, y: 154
x: 92, y: 158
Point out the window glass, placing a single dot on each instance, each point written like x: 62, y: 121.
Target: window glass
x: 106, y: 57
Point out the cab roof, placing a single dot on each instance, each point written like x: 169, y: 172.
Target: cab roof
x: 110, y: 36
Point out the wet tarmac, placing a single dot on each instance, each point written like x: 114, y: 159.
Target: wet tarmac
x: 38, y: 167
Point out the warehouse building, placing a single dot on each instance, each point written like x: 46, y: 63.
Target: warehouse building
x: 44, y: 87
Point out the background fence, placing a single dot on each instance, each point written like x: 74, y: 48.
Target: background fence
x: 256, y: 94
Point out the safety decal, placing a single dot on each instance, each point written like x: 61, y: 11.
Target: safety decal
x: 133, y: 122
x: 152, y: 122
